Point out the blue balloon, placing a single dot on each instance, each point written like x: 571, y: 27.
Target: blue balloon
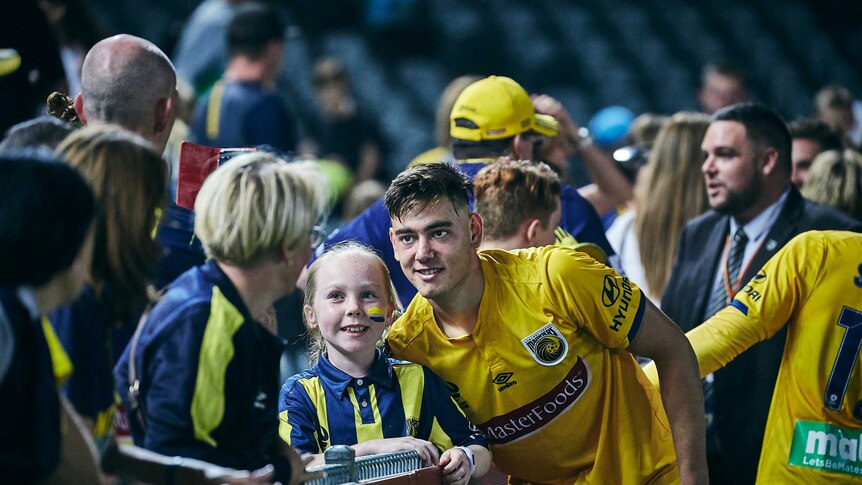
x: 609, y: 126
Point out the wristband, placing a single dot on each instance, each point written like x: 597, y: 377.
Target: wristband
x: 470, y: 458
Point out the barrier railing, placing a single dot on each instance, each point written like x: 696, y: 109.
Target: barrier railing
x: 390, y: 468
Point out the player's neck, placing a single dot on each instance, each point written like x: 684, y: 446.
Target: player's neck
x: 457, y: 313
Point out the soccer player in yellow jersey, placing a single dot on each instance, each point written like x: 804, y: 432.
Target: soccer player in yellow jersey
x: 532, y: 344
x: 813, y: 285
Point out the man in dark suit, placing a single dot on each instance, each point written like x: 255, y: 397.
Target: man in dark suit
x: 755, y: 211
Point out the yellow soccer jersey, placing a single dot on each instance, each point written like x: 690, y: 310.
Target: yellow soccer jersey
x: 544, y: 375
x: 814, y: 284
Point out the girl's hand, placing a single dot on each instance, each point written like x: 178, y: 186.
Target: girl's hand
x: 427, y: 451
x: 456, y: 466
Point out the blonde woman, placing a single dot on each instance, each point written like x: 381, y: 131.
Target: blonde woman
x: 669, y: 192
x: 205, y: 370
x: 128, y: 180
x: 835, y: 179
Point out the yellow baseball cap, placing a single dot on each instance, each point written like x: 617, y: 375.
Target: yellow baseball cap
x: 495, y: 108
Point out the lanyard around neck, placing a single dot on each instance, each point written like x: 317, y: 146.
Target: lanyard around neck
x: 731, y: 289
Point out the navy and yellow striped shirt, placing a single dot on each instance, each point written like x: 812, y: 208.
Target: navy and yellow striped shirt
x: 324, y: 406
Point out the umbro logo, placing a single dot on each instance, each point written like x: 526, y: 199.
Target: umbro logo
x: 503, y: 380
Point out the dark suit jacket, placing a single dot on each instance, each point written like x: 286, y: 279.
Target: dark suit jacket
x: 743, y: 388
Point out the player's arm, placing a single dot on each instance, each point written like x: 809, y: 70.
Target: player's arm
x: 761, y: 309
x: 662, y: 341
x: 719, y: 340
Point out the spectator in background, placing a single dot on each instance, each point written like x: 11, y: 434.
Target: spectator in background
x: 610, y: 188
x: 201, y: 51
x: 835, y: 179
x: 42, y: 132
x: 722, y: 84
x: 810, y: 137
x: 76, y: 32
x: 362, y: 196
x: 645, y: 127
x: 45, y: 249
x: 128, y: 179
x: 442, y: 153
x: 243, y: 109
x: 519, y: 202
x: 669, y: 192
x: 341, y: 131
x: 834, y: 106
x: 129, y: 81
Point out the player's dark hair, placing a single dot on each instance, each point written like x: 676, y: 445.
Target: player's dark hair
x: 763, y: 126
x: 46, y: 208
x: 426, y: 184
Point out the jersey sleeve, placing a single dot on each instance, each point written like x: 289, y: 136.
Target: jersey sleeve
x: 761, y: 308
x: 594, y: 297
x: 297, y: 417
x: 449, y: 416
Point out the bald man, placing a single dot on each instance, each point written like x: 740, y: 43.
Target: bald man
x: 129, y: 81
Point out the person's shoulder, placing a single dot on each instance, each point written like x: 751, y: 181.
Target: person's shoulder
x: 187, y: 299
x: 294, y: 382
x: 410, y: 325
x: 822, y: 217
x: 701, y: 226
x: 506, y: 261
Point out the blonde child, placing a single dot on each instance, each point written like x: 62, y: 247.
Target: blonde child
x: 354, y: 395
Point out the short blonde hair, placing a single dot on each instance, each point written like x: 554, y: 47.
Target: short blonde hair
x: 257, y: 204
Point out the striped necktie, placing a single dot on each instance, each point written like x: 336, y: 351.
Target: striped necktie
x: 719, y: 298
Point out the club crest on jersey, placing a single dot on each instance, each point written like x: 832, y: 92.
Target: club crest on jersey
x: 547, y: 345
x: 412, y: 425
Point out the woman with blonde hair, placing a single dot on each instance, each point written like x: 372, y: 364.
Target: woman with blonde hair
x: 128, y: 179
x: 669, y: 192
x: 203, y: 369
x: 835, y: 179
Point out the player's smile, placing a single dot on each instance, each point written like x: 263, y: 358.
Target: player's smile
x: 428, y: 274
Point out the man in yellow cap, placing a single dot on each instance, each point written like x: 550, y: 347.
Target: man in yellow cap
x: 492, y: 117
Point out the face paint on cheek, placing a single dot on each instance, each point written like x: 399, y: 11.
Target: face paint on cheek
x: 376, y: 314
